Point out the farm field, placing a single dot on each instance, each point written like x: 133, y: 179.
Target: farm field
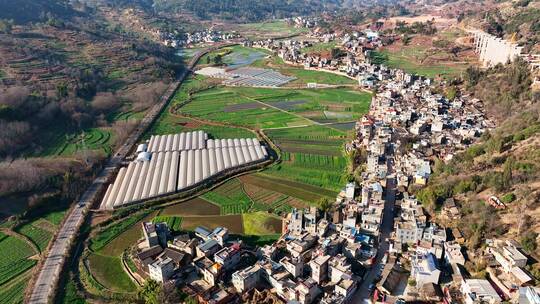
x: 196, y: 206
x: 120, y: 236
x: 320, y: 47
x: 278, y: 28
x: 13, y: 291
x: 94, y: 139
x: 277, y: 108
x: 15, y: 260
x: 303, y: 76
x: 211, y: 105
x: 40, y: 236
x: 261, y: 223
x: 230, y: 197
x: 271, y: 201
x: 173, y: 222
x: 233, y: 222
x: 428, y: 56
x: 108, y: 271
x: 304, y: 192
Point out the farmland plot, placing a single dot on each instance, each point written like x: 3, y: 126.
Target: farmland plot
x: 15, y: 261
x: 230, y: 197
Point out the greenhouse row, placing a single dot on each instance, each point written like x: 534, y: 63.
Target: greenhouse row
x: 167, y: 172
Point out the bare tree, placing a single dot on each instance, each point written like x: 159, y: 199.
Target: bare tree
x: 104, y: 102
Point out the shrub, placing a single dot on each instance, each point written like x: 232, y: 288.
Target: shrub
x: 528, y: 241
x: 508, y: 198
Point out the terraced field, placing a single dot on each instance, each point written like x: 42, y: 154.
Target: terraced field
x: 40, y: 236
x: 96, y: 139
x: 15, y: 258
x: 230, y: 197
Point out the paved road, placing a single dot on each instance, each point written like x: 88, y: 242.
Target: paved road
x: 363, y: 293
x: 44, y: 287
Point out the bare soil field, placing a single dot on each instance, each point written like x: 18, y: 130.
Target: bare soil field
x: 196, y: 206
x: 231, y: 222
x: 243, y: 106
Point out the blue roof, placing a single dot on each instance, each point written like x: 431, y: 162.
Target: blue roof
x: 202, y: 231
x: 208, y: 245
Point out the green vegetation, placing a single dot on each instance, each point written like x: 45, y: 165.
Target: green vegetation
x: 13, y: 292
x: 173, y: 222
x: 15, y: 258
x: 109, y: 272
x: 411, y: 59
x: 320, y: 47
x: 322, y: 77
x: 95, y: 139
x: 110, y: 232
x: 269, y: 29
x: 39, y: 236
x: 70, y: 295
x: 260, y: 223
x: 258, y: 240
x: 230, y: 197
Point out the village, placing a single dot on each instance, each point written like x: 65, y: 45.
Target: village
x: 375, y: 240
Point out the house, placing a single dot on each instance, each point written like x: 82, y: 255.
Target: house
x: 228, y: 257
x: 296, y: 222
x: 209, y: 270
x: 295, y: 266
x: 529, y: 295
x: 339, y: 268
x: 155, y: 234
x: 508, y: 256
x: 246, y: 278
x: 208, y: 248
x: 479, y: 291
x: 346, y: 288
x: 162, y: 269
x: 307, y: 291
x: 319, y: 268
x: 350, y: 190
x: 424, y: 269
x: 453, y: 254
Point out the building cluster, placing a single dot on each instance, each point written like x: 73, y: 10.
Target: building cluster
x: 348, y: 61
x: 407, y: 128
x: 304, y: 22
x: 426, y: 125
x: 175, y: 39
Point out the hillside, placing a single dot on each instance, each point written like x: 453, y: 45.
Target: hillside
x: 505, y: 164
x: 22, y: 11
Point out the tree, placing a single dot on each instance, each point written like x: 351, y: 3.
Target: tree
x: 406, y: 39
x: 324, y: 204
x: 218, y: 59
x: 150, y: 292
x: 6, y: 26
x: 528, y: 241
x: 336, y: 52
x: 507, y: 172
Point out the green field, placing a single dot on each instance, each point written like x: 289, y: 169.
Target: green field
x: 13, y: 291
x: 95, y: 139
x: 277, y: 108
x: 39, y: 236
x: 319, y: 47
x: 15, y: 258
x: 173, y: 222
x: 276, y: 28
x: 108, y: 271
x: 410, y: 59
x: 261, y: 223
x: 230, y: 197
x: 112, y: 231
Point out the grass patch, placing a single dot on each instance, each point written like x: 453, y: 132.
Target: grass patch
x: 108, y: 271
x: 173, y: 222
x: 112, y: 231
x: 15, y: 255
x: 230, y: 197
x: 39, y: 236
x: 260, y: 223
